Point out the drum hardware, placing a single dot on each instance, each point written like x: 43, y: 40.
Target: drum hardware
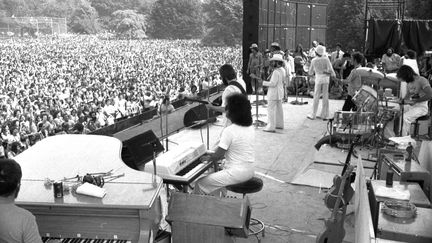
x: 296, y: 102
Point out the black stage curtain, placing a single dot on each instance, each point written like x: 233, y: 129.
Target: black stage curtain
x: 408, y: 34
x: 417, y: 35
x: 383, y: 34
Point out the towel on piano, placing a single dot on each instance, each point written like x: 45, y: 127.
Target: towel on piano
x: 91, y: 190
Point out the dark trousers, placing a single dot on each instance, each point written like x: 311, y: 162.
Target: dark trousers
x: 349, y: 104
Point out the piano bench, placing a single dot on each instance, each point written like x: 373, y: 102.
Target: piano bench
x: 253, y: 185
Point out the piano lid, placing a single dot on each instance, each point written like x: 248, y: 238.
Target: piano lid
x: 65, y: 156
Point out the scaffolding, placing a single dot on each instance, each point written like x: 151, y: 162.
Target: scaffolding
x: 32, y: 26
x: 382, y: 9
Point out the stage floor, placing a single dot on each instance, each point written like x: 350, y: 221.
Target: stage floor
x: 292, y: 213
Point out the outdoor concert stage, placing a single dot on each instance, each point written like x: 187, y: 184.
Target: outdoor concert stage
x: 292, y: 213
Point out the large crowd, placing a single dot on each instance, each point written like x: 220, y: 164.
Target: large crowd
x: 82, y: 83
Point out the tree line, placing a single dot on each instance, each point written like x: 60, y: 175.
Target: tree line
x: 215, y: 22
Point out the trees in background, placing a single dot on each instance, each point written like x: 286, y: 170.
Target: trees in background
x: 84, y: 19
x: 129, y: 24
x: 218, y: 22
x: 419, y: 9
x: 174, y: 19
x: 345, y: 23
x: 223, y: 22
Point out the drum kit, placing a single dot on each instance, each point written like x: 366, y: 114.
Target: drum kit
x: 370, y: 117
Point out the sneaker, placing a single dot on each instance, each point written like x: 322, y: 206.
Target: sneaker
x: 311, y: 117
x: 267, y: 129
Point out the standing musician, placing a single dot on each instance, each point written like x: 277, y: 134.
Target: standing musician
x: 419, y: 92
x: 322, y: 69
x: 354, y: 82
x: 254, y: 66
x: 17, y: 225
x: 275, y: 94
x: 236, y: 145
x: 232, y: 86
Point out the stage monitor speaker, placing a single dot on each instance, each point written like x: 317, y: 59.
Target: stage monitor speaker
x: 138, y: 150
x: 197, y: 116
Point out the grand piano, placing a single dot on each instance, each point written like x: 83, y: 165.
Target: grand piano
x: 129, y: 212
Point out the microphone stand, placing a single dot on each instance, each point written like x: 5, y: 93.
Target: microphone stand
x: 207, y: 122
x: 166, y: 129
x: 257, y: 122
x: 153, y: 145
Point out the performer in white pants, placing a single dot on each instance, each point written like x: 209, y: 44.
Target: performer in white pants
x: 322, y: 68
x: 237, y: 145
x: 419, y: 93
x: 275, y: 94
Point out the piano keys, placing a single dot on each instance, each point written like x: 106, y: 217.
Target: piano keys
x: 129, y: 212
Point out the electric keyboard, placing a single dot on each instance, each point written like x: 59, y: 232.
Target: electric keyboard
x: 129, y: 212
x: 181, y: 165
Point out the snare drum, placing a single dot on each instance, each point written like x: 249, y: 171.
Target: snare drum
x: 366, y: 99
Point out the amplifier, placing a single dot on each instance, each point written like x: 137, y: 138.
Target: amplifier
x: 232, y: 215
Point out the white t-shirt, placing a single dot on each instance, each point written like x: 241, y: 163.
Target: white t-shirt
x: 239, y: 143
x: 231, y: 89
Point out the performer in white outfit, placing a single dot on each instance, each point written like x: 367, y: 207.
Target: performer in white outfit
x: 236, y: 145
x: 275, y: 94
x: 322, y: 68
x: 419, y: 93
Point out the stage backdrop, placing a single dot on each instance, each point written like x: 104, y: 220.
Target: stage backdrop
x: 401, y: 35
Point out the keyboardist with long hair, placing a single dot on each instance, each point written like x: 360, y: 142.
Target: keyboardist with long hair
x: 17, y: 225
x: 236, y: 145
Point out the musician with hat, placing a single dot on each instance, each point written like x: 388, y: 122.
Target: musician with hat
x: 322, y: 69
x: 276, y: 49
x: 275, y: 94
x: 254, y: 66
